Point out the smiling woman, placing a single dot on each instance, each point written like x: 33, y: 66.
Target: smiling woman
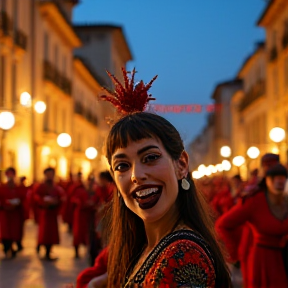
x: 160, y: 233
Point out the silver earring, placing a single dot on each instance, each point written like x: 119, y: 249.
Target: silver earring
x: 185, y: 184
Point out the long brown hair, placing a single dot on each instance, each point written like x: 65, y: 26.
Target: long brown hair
x: 127, y: 233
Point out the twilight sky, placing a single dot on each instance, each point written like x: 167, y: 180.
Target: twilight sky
x: 191, y: 45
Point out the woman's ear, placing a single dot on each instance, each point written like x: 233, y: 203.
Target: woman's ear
x: 182, y: 165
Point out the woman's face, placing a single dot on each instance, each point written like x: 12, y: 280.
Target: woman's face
x: 147, y: 178
x: 276, y: 184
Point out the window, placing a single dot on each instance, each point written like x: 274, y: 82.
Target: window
x: 64, y: 120
x: 274, y: 39
x: 2, y: 81
x: 286, y: 74
x: 14, y: 85
x: 55, y: 118
x: 15, y: 13
x: 64, y: 65
x: 46, y: 46
x: 275, y: 83
x: 56, y: 55
x: 46, y: 116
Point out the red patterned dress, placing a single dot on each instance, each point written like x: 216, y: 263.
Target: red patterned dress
x: 181, y: 259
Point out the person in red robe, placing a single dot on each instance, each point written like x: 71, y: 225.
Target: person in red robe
x: 85, y: 202
x: 68, y: 207
x: 49, y: 198
x: 12, y: 203
x: 267, y: 214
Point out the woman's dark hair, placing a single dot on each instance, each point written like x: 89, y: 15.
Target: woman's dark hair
x: 127, y: 233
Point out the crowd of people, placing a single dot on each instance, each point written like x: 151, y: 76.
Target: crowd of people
x: 80, y: 204
x: 163, y: 229
x: 251, y: 218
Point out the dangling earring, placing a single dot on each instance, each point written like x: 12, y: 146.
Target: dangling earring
x: 185, y: 184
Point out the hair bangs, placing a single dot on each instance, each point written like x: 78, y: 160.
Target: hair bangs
x: 128, y: 129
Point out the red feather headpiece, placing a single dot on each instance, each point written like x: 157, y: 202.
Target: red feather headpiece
x: 130, y: 98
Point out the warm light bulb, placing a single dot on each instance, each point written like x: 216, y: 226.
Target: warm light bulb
x: 25, y: 99
x: 7, y: 120
x: 225, y: 151
x: 40, y: 107
x: 64, y: 140
x: 277, y: 134
x: 91, y: 153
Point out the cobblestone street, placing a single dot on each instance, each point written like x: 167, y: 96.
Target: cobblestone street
x: 29, y: 271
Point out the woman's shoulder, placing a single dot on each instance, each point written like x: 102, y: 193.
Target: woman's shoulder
x: 183, y: 257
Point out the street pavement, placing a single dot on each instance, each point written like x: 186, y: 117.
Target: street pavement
x: 28, y: 270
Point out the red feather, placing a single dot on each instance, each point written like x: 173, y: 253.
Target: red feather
x: 130, y: 98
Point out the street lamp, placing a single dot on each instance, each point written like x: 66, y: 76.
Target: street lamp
x: 91, y: 153
x: 196, y: 175
x: 225, y: 151
x: 25, y: 99
x: 7, y: 120
x: 238, y: 161
x: 40, y: 107
x: 64, y: 140
x: 253, y: 152
x: 226, y: 165
x: 277, y: 134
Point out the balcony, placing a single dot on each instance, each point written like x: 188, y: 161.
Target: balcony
x: 273, y: 54
x: 6, y: 29
x: 257, y: 91
x: 88, y: 115
x: 51, y: 74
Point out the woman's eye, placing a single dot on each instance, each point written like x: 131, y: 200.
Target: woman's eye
x: 121, y: 167
x: 151, y: 158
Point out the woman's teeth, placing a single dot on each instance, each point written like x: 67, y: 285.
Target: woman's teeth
x: 145, y: 192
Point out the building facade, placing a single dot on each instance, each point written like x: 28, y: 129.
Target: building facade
x: 37, y: 46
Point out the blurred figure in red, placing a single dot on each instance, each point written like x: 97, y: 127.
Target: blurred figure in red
x: 85, y: 203
x: 223, y: 200
x: 48, y: 197
x: 12, y: 203
x: 266, y: 212
x: 237, y: 187
x: 68, y: 207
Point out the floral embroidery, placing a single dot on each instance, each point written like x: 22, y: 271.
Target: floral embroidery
x: 181, y: 259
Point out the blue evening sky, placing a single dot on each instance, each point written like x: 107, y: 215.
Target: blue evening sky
x: 192, y: 45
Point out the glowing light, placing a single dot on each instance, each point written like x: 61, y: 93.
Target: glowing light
x: 7, y: 120
x: 202, y: 168
x: 275, y: 150
x: 207, y: 172
x: 64, y: 140
x: 45, y: 151
x: 62, y: 167
x: 238, y: 161
x: 40, y: 107
x: 91, y: 153
x: 24, y: 158
x: 196, y: 175
x: 226, y: 165
x: 225, y: 151
x: 253, y: 152
x: 25, y: 99
x: 277, y: 134
x: 219, y: 167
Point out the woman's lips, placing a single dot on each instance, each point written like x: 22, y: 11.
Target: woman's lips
x: 150, y: 200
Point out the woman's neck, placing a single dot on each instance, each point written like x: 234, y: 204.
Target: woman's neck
x: 275, y: 199
x: 157, y: 230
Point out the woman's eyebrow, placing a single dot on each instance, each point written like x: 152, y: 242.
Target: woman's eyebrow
x: 119, y: 156
x: 146, y: 148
